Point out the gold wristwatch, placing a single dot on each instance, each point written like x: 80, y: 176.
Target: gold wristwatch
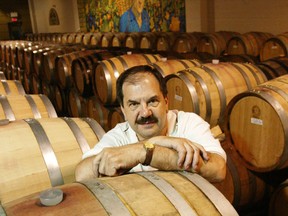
x: 149, y: 147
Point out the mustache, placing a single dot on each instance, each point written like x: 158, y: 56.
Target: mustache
x: 149, y: 119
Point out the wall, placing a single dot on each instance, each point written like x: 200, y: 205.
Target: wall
x: 67, y: 12
x: 230, y: 15
x: 4, y: 19
x: 7, y: 6
x: 192, y: 11
x: 247, y: 15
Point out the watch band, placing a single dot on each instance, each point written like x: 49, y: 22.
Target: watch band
x: 149, y: 147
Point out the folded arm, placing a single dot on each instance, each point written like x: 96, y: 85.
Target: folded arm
x: 170, y: 154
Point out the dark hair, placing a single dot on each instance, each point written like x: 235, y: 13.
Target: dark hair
x: 127, y: 75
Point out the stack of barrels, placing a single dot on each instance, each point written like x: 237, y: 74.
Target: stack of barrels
x: 39, y: 149
x: 225, y: 77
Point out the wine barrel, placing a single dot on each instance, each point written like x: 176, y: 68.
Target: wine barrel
x: 35, y: 84
x: 186, y: 42
x: 37, y: 59
x: 82, y: 74
x: 13, y: 73
x: 47, y: 90
x: 48, y: 62
x: 39, y: 153
x: 97, y: 111
x: 115, y: 116
x: 25, y: 81
x: 12, y: 54
x: 11, y: 87
x: 2, y: 76
x: 276, y: 46
x: 82, y: 70
x: 60, y: 100
x: 27, y: 58
x: 70, y: 38
x: 214, y: 43
x: 95, y: 39
x: 14, y: 107
x: 19, y: 52
x: 256, y: 121
x: 79, y: 38
x: 170, y: 66
x: 133, y: 40
x: 63, y: 66
x: 64, y: 38
x: 28, y: 62
x: 165, y: 41
x: 148, y: 40
x: 275, y: 67
x: 249, y: 43
x: 106, y: 40
x: 278, y: 205
x: 239, y: 58
x: 107, y: 72
x: 76, y: 104
x: 118, y: 39
x: 86, y: 39
x: 243, y: 188
x: 206, y: 90
x: 176, y: 193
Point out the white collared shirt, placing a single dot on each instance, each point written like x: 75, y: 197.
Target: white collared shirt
x: 180, y: 124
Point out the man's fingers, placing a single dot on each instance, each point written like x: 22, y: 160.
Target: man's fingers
x: 95, y: 165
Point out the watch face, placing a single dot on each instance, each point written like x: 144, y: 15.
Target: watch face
x: 149, y: 145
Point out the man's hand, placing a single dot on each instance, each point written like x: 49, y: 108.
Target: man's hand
x: 116, y: 161
x: 190, y: 154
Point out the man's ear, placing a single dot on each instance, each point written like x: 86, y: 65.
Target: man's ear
x: 166, y: 101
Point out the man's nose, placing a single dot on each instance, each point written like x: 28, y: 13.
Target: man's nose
x: 145, y: 111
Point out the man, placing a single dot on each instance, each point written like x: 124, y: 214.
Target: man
x: 135, y: 19
x: 153, y: 137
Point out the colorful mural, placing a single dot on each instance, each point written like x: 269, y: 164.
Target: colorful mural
x: 135, y: 15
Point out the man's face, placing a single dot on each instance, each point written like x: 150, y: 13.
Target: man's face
x: 144, y: 107
x: 139, y: 5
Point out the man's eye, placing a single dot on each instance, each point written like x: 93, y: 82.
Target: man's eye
x: 153, y: 103
x: 133, y: 106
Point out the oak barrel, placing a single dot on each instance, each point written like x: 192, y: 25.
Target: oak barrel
x: 145, y: 193
x: 15, y: 107
x: 115, y: 116
x: 276, y: 46
x: 148, y: 40
x: 48, y: 61
x: 133, y: 40
x: 82, y: 70
x: 242, y: 187
x: 76, y: 104
x: 170, y: 66
x: 257, y: 122
x: 278, y: 205
x: 97, y: 111
x: 275, y: 67
x: 11, y: 87
x: 215, y: 43
x: 82, y: 74
x: 249, y: 43
x: 165, y: 41
x: 107, y: 72
x: 118, y: 39
x: 39, y: 153
x: 2, y: 76
x: 63, y: 67
x: 206, y: 90
x: 186, y: 42
x: 106, y: 39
